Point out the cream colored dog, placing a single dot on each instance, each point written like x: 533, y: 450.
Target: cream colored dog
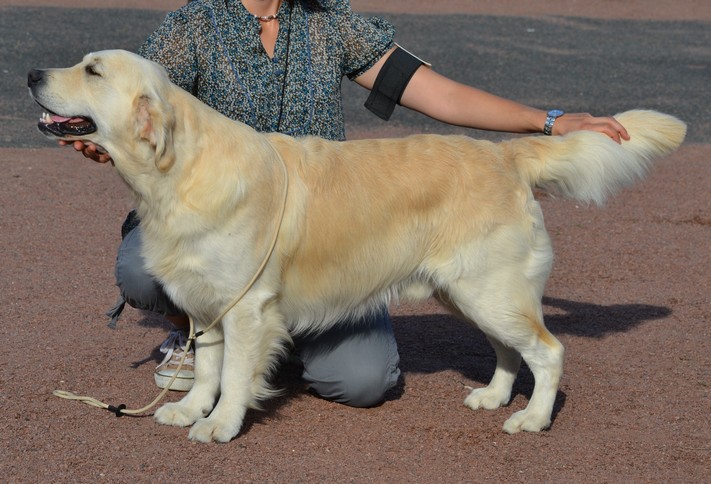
x: 366, y: 222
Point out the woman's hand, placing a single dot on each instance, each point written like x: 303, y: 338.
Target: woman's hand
x: 90, y: 150
x: 585, y: 122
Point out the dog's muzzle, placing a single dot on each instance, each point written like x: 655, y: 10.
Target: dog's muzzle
x: 53, y: 124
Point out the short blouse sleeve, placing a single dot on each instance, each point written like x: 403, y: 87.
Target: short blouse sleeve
x: 171, y: 46
x: 365, y: 40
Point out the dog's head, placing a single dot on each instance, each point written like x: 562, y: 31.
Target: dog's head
x: 113, y: 98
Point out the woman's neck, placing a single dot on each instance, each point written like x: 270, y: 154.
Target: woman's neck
x: 266, y: 11
x: 262, y: 8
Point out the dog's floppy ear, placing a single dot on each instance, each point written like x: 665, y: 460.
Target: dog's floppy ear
x: 155, y: 121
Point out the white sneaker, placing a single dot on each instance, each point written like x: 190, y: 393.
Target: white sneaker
x: 174, y: 348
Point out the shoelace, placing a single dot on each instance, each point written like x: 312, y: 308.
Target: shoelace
x: 176, y: 344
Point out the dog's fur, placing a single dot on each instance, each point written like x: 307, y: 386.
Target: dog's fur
x: 366, y: 222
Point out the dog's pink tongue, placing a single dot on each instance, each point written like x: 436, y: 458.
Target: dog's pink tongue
x: 61, y: 119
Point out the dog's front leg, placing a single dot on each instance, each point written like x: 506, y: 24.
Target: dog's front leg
x: 242, y: 335
x: 201, y: 398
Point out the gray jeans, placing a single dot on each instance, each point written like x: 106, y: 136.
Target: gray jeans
x: 353, y: 364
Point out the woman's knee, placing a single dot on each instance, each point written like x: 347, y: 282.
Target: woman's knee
x: 353, y: 364
x: 362, y: 385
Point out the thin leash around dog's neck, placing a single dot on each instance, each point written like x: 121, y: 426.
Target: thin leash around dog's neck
x: 121, y: 409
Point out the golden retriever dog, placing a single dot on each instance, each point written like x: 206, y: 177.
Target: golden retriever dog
x: 364, y: 223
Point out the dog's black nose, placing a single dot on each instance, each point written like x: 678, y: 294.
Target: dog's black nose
x: 34, y: 77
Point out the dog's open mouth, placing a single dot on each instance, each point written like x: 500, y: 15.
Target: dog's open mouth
x: 61, y: 126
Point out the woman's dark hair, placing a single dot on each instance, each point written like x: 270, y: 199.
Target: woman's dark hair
x: 310, y: 5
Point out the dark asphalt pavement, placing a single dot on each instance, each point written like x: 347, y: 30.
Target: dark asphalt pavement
x: 598, y: 66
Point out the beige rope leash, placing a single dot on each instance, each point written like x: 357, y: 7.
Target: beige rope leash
x: 121, y: 409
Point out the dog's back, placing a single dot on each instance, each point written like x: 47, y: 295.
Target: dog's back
x: 385, y: 215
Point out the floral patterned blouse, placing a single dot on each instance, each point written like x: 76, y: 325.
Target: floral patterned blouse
x: 212, y: 49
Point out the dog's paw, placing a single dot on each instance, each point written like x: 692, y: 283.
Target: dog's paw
x: 214, y: 430
x: 488, y: 398
x: 528, y: 421
x: 178, y: 415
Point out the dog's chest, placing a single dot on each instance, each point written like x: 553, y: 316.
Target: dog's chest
x: 198, y: 272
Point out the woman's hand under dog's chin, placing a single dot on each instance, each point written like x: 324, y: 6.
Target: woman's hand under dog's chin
x: 89, y: 150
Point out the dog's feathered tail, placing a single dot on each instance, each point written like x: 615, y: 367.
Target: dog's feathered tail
x: 589, y: 166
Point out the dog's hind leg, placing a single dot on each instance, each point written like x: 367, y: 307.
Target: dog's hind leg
x: 202, y: 396
x: 512, y: 320
x: 504, y: 301
x: 544, y: 356
x: 498, y: 392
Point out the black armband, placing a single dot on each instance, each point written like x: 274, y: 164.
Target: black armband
x: 391, y: 82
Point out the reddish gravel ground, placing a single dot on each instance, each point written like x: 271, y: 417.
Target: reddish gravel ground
x: 629, y: 297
